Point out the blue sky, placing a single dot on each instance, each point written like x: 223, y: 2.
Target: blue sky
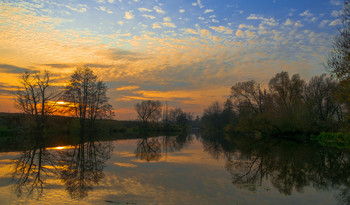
x: 187, y: 53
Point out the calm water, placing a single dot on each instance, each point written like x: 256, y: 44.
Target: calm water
x: 176, y: 170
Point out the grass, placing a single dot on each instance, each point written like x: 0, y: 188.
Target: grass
x: 331, y: 139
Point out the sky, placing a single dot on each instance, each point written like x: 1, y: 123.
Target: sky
x: 187, y: 53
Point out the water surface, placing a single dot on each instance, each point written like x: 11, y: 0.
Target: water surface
x: 176, y: 170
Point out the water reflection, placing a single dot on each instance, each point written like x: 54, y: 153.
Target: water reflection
x: 289, y: 166
x: 151, y: 148
x: 82, y: 167
x: 252, y: 164
x: 78, y: 167
x: 32, y: 168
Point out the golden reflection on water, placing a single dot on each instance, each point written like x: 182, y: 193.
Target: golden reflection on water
x: 125, y: 164
x: 62, y: 147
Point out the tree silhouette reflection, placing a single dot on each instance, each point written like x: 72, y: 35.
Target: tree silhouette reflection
x: 32, y: 168
x: 153, y: 148
x: 82, y: 167
x: 289, y: 166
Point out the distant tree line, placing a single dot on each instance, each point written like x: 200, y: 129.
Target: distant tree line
x: 154, y: 112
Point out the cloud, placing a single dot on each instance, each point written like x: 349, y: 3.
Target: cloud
x: 82, y: 8
x: 128, y: 15
x: 131, y: 87
x: 168, y: 24
x: 191, y: 31
x: 182, y: 10
x: 5, y: 68
x: 335, y: 2
x: 335, y: 22
x: 306, y: 13
x: 298, y: 24
x: 208, y: 11
x: 323, y: 23
x: 288, y: 22
x: 120, y: 22
x: 117, y: 54
x: 167, y: 19
x: 7, y: 89
x: 239, y: 33
x: 156, y: 25
x: 268, y: 21
x: 59, y: 65
x: 250, y: 34
x: 144, y: 10
x: 159, y: 10
x: 222, y: 29
x: 200, y: 4
x: 335, y: 13
x: 205, y: 33
x: 148, y: 16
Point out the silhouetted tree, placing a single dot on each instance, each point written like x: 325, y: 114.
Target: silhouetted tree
x: 179, y: 117
x: 149, y: 111
x: 36, y: 96
x: 87, y: 97
x: 248, y: 95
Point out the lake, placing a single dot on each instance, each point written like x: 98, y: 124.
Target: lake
x: 184, y: 169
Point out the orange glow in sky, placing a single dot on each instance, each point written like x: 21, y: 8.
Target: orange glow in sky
x: 185, y: 53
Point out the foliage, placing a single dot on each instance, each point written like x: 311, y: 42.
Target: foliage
x: 289, y: 107
x: 339, y: 59
x: 217, y: 118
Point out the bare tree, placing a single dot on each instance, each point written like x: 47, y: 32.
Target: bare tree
x: 149, y: 110
x: 86, y: 96
x: 36, y: 96
x: 249, y: 95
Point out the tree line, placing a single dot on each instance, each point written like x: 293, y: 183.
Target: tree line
x: 288, y: 106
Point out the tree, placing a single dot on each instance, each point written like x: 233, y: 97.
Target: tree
x: 322, y: 104
x: 211, y: 118
x: 36, y: 96
x: 149, y: 111
x: 180, y: 117
x: 248, y: 95
x: 86, y: 97
x: 339, y: 59
x: 286, y: 91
